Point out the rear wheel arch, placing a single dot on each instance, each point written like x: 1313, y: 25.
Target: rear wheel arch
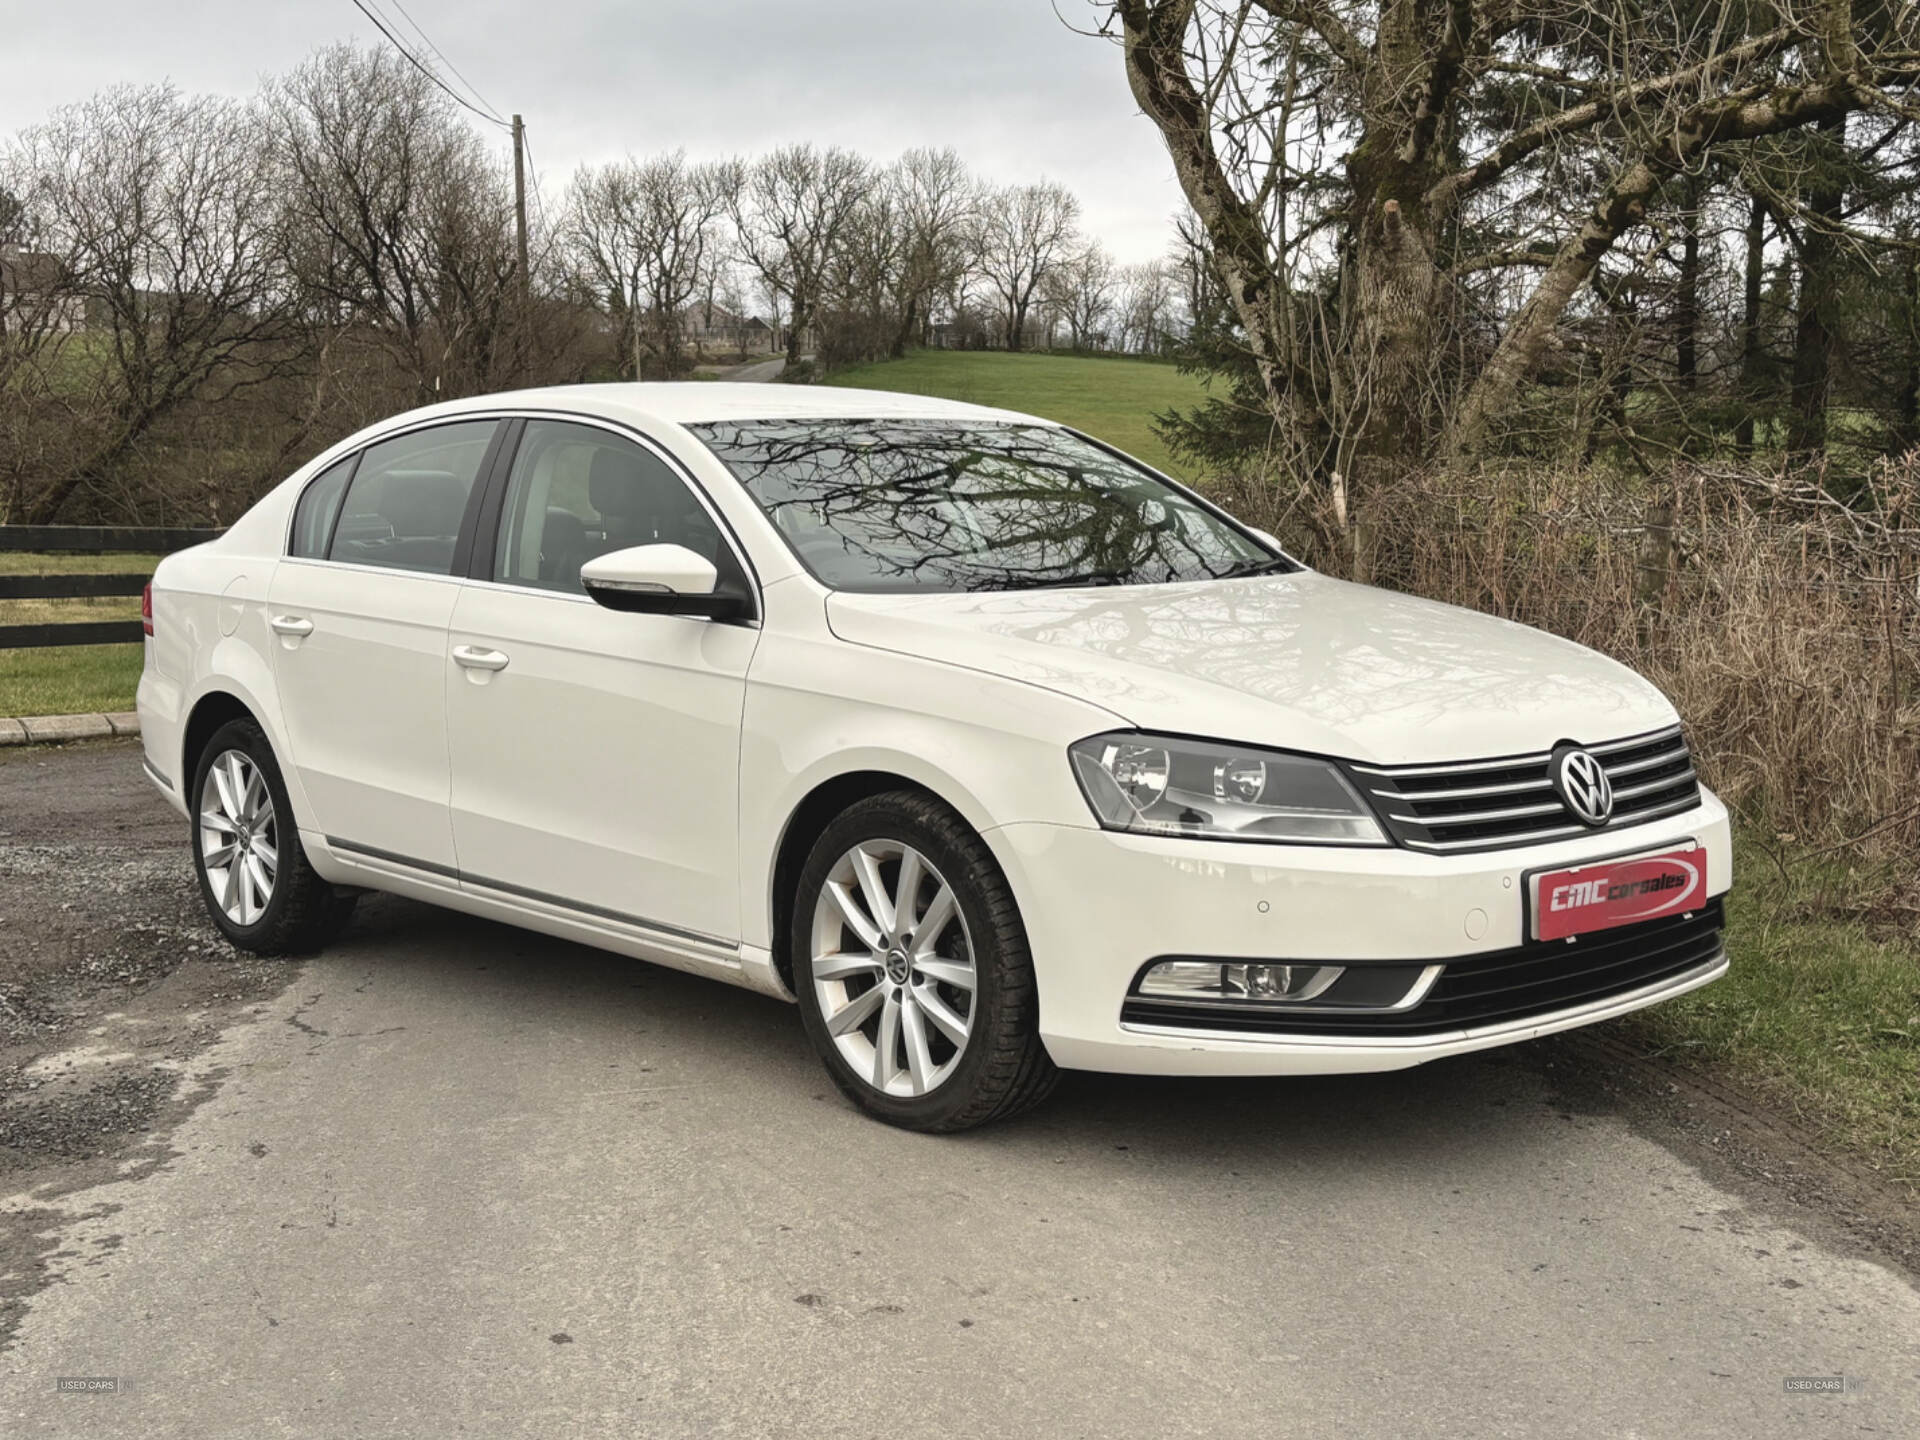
x: 284, y: 905
x: 211, y: 711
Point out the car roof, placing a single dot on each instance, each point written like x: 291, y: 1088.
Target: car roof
x: 701, y: 402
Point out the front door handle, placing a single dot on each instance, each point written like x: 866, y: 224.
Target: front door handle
x: 474, y: 657
x: 291, y: 625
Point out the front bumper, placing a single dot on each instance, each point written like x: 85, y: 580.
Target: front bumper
x: 1099, y: 905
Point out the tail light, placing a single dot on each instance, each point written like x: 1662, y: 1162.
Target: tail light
x: 146, y: 608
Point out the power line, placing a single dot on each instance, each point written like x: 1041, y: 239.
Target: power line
x: 472, y: 89
x: 533, y: 172
x: 426, y: 69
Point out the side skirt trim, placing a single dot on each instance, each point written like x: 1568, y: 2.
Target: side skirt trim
x: 524, y: 892
x: 392, y: 858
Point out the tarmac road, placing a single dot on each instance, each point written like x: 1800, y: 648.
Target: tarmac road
x: 459, y: 1180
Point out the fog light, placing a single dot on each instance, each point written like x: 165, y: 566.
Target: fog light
x: 1212, y: 980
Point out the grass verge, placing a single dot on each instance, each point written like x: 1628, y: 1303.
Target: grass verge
x: 1819, y: 1013
x: 1114, y: 400
x: 70, y: 679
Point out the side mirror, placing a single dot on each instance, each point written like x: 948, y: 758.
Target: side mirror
x: 660, y: 580
x: 1267, y: 538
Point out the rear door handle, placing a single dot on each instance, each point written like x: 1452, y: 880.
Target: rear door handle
x: 473, y: 657
x: 291, y: 625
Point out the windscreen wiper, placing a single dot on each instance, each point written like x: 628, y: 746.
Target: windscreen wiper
x: 1068, y: 582
x: 1273, y: 564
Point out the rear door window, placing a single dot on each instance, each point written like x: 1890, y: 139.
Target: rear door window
x: 409, y: 496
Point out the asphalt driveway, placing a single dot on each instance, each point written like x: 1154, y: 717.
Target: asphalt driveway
x: 451, y: 1178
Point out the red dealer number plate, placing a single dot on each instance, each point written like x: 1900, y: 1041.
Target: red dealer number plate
x: 1604, y: 893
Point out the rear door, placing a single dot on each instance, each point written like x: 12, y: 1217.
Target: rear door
x: 360, y: 610
x: 596, y: 753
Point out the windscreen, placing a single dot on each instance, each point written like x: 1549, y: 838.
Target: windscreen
x: 947, y: 506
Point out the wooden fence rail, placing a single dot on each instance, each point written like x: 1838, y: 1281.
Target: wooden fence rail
x: 101, y: 539
x: 83, y: 540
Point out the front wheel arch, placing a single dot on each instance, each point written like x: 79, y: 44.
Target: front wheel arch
x: 1003, y: 1068
x: 818, y: 809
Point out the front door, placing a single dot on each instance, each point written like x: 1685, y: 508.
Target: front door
x: 595, y: 752
x: 359, y: 611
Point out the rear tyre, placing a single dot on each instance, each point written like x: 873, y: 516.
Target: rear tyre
x: 258, y: 886
x: 913, y: 974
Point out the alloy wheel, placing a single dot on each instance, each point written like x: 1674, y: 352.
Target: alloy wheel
x: 239, y: 839
x: 893, y: 968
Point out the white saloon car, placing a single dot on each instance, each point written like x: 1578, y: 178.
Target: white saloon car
x: 994, y: 749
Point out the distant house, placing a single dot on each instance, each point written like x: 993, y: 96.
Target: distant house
x: 716, y: 330
x: 34, y: 293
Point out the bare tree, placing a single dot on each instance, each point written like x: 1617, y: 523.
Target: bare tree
x: 935, y: 205
x: 159, y: 211
x: 645, y: 237
x: 1407, y: 200
x: 1146, y: 306
x: 398, y: 220
x: 1023, y: 233
x: 1082, y: 290
x: 791, y: 213
x: 865, y: 290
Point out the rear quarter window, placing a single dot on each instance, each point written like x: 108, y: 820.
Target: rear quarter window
x: 319, y: 504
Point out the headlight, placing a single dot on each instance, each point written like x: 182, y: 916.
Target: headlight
x: 1157, y: 785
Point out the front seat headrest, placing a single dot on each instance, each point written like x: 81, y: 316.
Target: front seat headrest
x: 616, y: 485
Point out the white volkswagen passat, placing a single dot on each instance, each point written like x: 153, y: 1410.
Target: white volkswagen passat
x: 994, y: 749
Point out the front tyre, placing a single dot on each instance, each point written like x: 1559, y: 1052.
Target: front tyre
x: 912, y: 970
x: 255, y: 879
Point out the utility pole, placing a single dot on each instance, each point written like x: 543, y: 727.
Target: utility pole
x: 520, y: 194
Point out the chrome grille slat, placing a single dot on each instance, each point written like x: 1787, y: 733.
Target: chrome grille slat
x: 1498, y: 804
x: 1478, y: 817
x: 1665, y: 782
x: 1513, y: 788
x: 1465, y: 767
x: 1634, y: 767
x: 1635, y: 741
x: 1525, y: 838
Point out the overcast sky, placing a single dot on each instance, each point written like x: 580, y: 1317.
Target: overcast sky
x: 1002, y: 81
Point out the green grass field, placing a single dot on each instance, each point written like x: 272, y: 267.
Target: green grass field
x: 1114, y: 400
x: 70, y: 679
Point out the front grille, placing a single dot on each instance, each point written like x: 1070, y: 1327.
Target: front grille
x: 1535, y: 979
x: 1494, y: 804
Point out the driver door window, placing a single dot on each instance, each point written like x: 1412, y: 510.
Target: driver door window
x: 577, y: 492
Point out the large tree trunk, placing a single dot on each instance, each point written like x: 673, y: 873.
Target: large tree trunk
x: 1818, y: 301
x: 1155, y: 39
x: 797, y: 322
x: 909, y: 326
x: 1754, y: 279
x: 1908, y: 405
x: 1526, y: 339
x: 1686, y: 303
x: 1420, y: 47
